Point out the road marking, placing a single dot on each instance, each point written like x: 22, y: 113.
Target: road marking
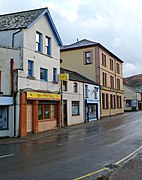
x: 131, y: 154
x: 90, y: 174
x: 81, y: 139
x: 7, y: 155
x: 103, y: 169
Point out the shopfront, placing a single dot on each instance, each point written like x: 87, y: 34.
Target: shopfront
x: 6, y: 116
x: 43, y: 112
x: 91, y: 107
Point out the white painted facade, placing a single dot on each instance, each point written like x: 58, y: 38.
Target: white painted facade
x: 24, y: 49
x: 92, y: 102
x: 70, y: 96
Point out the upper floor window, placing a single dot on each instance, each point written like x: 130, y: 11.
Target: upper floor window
x: 111, y: 64
x: 104, y: 79
x: 48, y: 46
x: 103, y: 59
x: 88, y: 57
x: 64, y: 86
x: 38, y: 41
x: 95, y: 92
x: 117, y: 68
x: 54, y: 74
x: 118, y: 83
x: 43, y: 74
x: 86, y: 91
x: 75, y: 87
x: 30, y: 68
x: 112, y: 82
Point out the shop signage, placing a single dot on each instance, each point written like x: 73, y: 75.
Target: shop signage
x: 63, y: 77
x: 37, y: 95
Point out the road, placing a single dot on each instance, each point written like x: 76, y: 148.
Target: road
x: 80, y: 150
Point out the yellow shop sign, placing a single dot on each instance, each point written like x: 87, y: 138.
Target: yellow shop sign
x: 63, y: 77
x: 37, y: 95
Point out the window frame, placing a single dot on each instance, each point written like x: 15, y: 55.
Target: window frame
x: 30, y: 68
x: 45, y: 73
x: 75, y: 87
x: 38, y: 42
x: 118, y: 68
x: 111, y: 64
x: 104, y: 79
x: 88, y: 59
x: 77, y: 105
x: 103, y: 59
x: 64, y: 86
x: 86, y: 91
x: 54, y: 74
x: 48, y: 45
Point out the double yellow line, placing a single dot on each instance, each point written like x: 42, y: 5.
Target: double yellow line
x: 103, y: 169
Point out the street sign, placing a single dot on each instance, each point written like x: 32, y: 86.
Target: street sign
x: 63, y: 77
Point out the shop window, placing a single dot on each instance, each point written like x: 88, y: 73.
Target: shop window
x: 3, y: 118
x: 128, y: 103
x: 75, y: 108
x: 46, y: 111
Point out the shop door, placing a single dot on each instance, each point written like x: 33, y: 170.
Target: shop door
x: 92, y: 108
x: 29, y: 118
x: 65, y: 112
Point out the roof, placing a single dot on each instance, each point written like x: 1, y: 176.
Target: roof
x: 79, y: 44
x: 84, y: 43
x: 134, y: 89
x: 26, y: 19
x: 74, y: 76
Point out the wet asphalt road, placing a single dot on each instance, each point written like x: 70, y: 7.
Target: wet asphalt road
x: 78, y: 151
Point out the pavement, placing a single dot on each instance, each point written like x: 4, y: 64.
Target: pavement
x: 131, y: 169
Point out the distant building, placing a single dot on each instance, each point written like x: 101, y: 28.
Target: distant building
x: 31, y: 39
x: 81, y: 99
x: 98, y: 64
x: 132, y: 99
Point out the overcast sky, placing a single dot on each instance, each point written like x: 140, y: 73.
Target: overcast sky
x: 116, y: 24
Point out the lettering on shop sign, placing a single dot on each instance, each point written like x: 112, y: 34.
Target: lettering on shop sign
x: 36, y: 95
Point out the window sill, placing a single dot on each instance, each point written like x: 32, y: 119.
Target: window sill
x: 31, y: 77
x: 1, y: 92
x: 43, y: 54
x: 75, y: 114
x: 55, y: 82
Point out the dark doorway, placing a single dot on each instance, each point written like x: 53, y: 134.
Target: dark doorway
x: 65, y: 112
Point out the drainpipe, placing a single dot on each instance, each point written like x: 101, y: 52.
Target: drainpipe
x: 12, y: 92
x: 14, y: 35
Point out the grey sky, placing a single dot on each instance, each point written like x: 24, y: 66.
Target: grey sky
x: 116, y: 24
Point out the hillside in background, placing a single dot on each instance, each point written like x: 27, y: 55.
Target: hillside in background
x: 133, y: 81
